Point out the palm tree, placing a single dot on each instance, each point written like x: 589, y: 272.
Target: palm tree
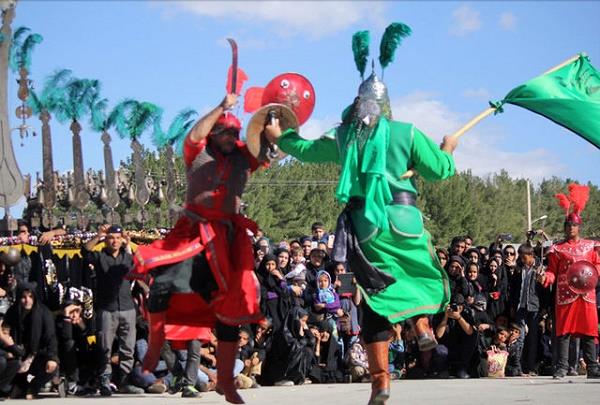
x: 42, y: 104
x: 174, y: 137
x: 102, y: 121
x: 11, y: 180
x: 71, y: 103
x: 132, y: 120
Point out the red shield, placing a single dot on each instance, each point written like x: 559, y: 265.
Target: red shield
x: 582, y: 277
x: 294, y: 91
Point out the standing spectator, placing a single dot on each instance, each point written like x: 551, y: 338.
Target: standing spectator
x: 525, y: 305
x: 457, y: 246
x: 274, y: 293
x: 114, y: 302
x: 318, y: 233
x: 497, y: 286
x: 456, y: 273
x: 307, y: 246
x: 468, y: 242
x: 32, y: 326
x: 442, y: 255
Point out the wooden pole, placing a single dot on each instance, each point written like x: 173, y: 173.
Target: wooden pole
x: 485, y: 113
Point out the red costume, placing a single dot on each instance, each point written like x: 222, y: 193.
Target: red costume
x: 203, y: 271
x: 575, y: 313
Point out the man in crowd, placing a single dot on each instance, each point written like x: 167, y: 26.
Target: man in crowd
x: 115, y: 308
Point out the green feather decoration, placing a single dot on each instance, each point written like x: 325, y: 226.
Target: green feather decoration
x: 360, y: 49
x: 392, y: 37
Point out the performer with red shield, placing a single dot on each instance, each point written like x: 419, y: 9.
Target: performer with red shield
x: 203, y: 271
x: 573, y: 266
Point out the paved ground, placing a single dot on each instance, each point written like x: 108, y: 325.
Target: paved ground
x: 539, y: 390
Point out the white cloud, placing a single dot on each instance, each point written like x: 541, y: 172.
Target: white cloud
x: 482, y: 153
x: 465, y: 20
x: 480, y: 93
x: 287, y: 18
x: 314, y: 128
x: 508, y: 21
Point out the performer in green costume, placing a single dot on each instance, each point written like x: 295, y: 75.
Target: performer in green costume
x: 402, y: 278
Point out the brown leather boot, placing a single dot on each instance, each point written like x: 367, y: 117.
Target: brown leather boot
x: 425, y: 337
x: 226, y: 355
x: 377, y: 353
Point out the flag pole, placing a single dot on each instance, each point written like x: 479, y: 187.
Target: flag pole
x: 488, y: 111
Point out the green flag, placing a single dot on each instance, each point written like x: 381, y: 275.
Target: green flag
x: 569, y: 96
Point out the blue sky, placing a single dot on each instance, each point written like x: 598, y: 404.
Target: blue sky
x: 461, y: 55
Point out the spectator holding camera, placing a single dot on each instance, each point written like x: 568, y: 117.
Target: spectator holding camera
x: 455, y: 330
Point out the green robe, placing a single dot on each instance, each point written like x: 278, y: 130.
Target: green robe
x: 404, y: 250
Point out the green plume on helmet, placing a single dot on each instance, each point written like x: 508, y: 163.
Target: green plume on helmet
x: 360, y: 48
x: 392, y: 37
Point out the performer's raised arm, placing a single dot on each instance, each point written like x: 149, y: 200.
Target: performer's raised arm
x: 203, y: 127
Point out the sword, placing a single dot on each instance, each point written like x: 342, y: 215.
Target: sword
x: 234, y: 65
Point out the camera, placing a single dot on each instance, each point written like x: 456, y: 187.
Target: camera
x: 505, y: 236
x: 454, y: 307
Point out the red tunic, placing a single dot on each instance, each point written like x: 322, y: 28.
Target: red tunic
x: 575, y: 313
x: 216, y: 182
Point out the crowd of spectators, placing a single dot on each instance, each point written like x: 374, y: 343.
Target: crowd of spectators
x: 77, y: 325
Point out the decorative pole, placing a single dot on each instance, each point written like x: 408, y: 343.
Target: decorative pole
x: 11, y: 180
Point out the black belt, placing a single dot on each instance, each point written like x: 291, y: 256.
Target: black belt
x: 398, y: 198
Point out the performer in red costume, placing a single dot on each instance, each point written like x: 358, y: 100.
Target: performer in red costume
x: 206, y: 263
x: 573, y: 265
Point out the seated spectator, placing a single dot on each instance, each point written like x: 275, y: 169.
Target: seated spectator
x: 10, y: 359
x: 454, y: 329
x: 357, y: 362
x: 291, y: 356
x: 514, y: 347
x: 500, y: 338
x: 81, y: 357
x: 397, y: 353
x: 32, y: 326
x: 326, y: 369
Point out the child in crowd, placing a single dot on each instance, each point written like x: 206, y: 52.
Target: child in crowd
x: 515, y: 349
x: 396, y: 353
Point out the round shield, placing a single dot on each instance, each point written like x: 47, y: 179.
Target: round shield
x: 294, y: 91
x: 11, y: 257
x: 258, y: 145
x: 582, y: 277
